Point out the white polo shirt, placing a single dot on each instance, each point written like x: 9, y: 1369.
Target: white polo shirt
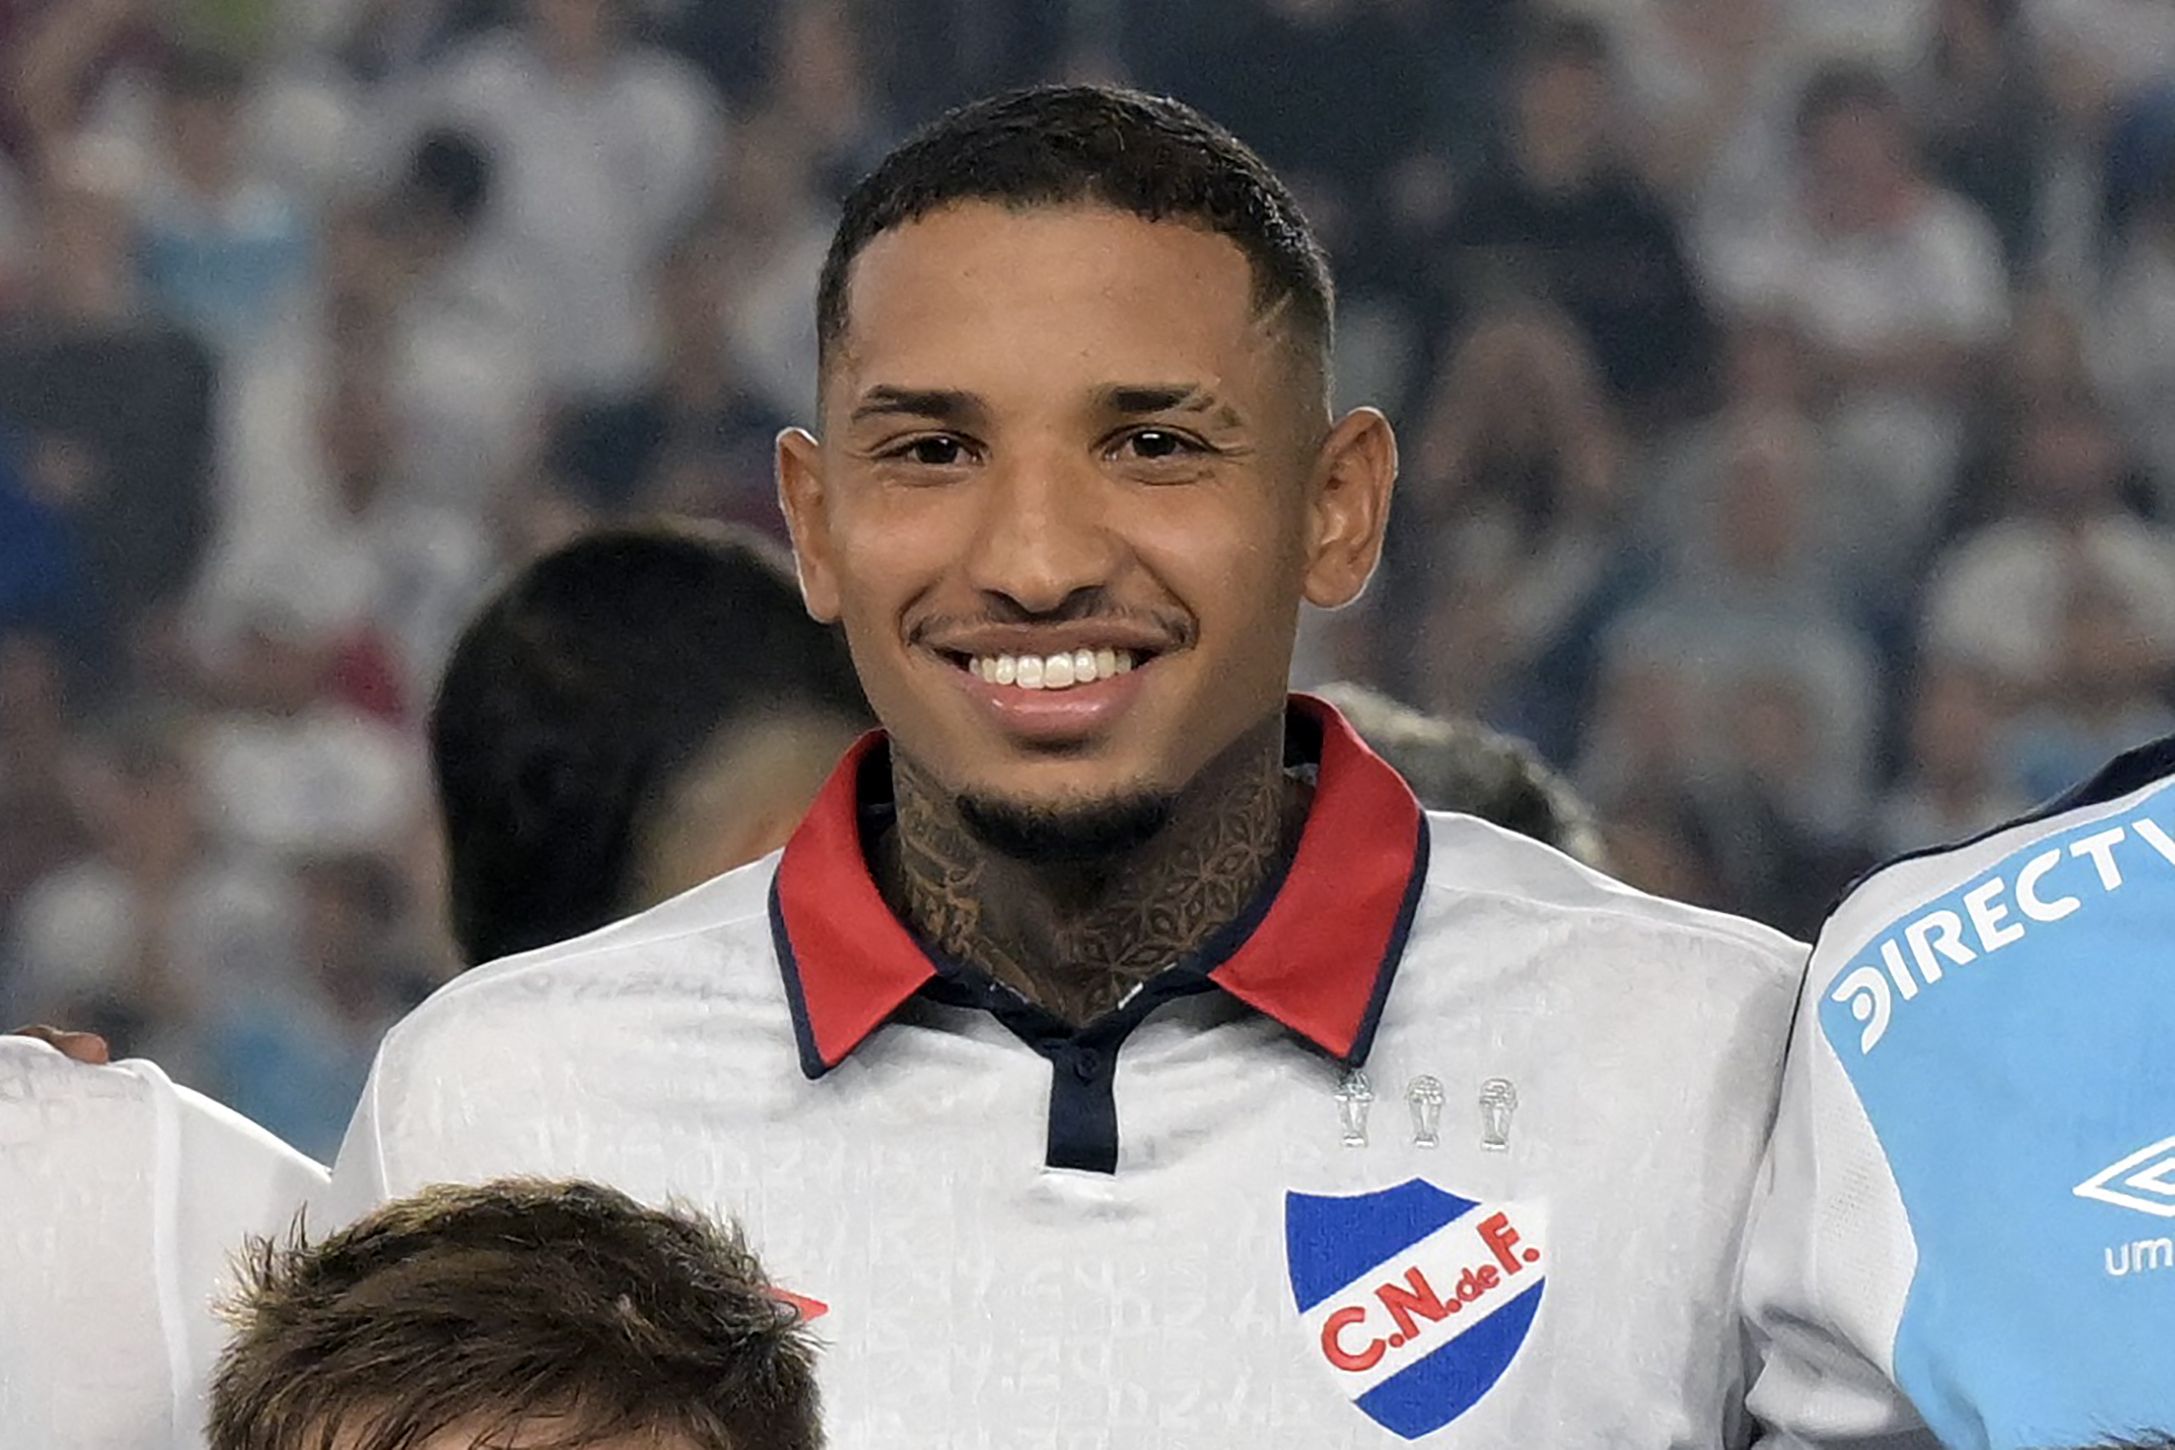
x: 1971, y: 1225
x: 122, y: 1198
x: 1449, y: 1139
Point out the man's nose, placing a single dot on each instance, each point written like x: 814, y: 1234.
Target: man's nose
x: 1044, y: 535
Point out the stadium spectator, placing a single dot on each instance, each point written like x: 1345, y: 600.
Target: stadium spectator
x: 293, y: 765
x: 223, y: 250
x: 602, y: 149
x: 1978, y: 101
x: 763, y: 254
x: 1643, y: 752
x: 1896, y: 283
x: 1754, y: 582
x: 1512, y: 503
x: 384, y: 572
x: 2104, y: 692
x: 147, y: 937
x: 517, y: 1313
x: 1779, y: 816
x: 1345, y: 163
x: 2040, y: 367
x: 462, y: 377
x: 2127, y: 340
x: 1951, y: 784
x: 695, y: 441
x: 364, y: 448
x: 291, y: 1052
x: 132, y: 483
x: 2107, y: 64
x: 1767, y: 387
x: 1997, y: 597
x: 1562, y: 219
x: 1707, y: 89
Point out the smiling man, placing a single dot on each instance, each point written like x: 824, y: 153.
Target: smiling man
x: 1117, y: 1050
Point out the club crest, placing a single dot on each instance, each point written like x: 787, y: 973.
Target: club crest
x: 1414, y: 1300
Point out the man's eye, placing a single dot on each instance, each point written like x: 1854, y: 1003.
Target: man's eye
x: 1157, y: 443
x: 936, y: 451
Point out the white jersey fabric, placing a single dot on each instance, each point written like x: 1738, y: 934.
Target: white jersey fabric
x: 1968, y: 1231
x: 122, y: 1199
x: 1448, y: 1140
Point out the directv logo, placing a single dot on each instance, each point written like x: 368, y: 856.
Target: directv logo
x: 1414, y: 1299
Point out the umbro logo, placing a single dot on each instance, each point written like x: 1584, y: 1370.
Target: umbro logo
x: 2144, y: 1181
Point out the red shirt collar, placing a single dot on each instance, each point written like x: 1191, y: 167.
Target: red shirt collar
x: 1319, y: 959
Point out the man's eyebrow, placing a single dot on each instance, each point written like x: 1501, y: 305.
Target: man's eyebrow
x: 1137, y: 398
x: 943, y: 405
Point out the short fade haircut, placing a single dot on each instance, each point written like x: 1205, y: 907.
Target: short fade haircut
x: 1052, y: 146
x: 487, y: 1309
x: 581, y: 694
x: 1464, y: 766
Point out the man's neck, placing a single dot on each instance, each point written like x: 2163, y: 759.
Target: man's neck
x: 1077, y: 937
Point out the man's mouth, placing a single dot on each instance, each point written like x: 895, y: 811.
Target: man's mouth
x: 1060, y: 671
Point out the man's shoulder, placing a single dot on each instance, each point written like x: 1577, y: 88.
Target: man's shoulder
x: 670, y: 948
x: 38, y: 1085
x: 1472, y: 861
x: 56, y: 1101
x: 2104, y: 848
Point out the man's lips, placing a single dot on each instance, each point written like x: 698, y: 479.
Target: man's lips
x: 1054, y: 698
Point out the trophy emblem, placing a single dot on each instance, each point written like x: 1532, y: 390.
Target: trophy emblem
x: 1424, y: 1096
x: 1354, y: 1096
x: 1498, y: 1100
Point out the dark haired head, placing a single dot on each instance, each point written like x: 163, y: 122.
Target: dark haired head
x: 491, y: 1311
x: 1462, y: 765
x: 581, y: 697
x: 1103, y: 146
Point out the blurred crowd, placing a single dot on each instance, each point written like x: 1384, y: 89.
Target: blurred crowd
x: 1787, y: 390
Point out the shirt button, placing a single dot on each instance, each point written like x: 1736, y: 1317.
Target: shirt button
x: 1086, y: 1064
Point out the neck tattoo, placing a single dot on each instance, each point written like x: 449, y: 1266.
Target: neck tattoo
x: 1077, y: 937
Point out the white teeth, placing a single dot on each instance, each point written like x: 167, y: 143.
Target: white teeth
x: 1051, y: 672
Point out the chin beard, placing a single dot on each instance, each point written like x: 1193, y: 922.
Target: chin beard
x: 1044, y: 835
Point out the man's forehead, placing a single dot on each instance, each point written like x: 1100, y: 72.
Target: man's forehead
x: 978, y: 286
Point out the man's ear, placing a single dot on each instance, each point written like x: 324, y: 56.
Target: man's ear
x: 1349, y: 505
x: 801, y: 497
